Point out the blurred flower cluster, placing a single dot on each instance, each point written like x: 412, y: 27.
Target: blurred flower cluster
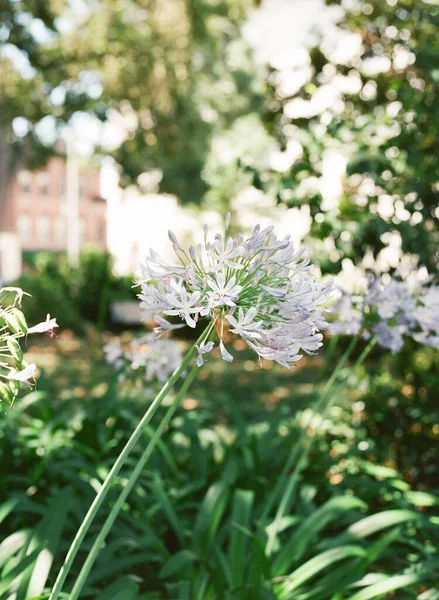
x: 261, y: 289
x: 14, y: 370
x: 391, y: 308
x: 143, y: 360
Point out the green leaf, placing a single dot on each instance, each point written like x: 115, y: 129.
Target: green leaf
x: 105, y: 571
x: 384, y: 587
x: 15, y: 349
x: 210, y: 514
x: 45, y: 541
x: 200, y: 585
x: 317, y: 564
x: 241, y: 512
x: 9, y: 578
x: 298, y: 543
x: 15, y: 321
x: 12, y: 544
x: 341, y: 578
x: 122, y: 589
x: 177, y: 562
x: 378, y: 470
x: 431, y: 594
x: 222, y: 562
x: 421, y: 498
x: 7, y: 507
x: 168, y: 509
x: 372, y: 524
x: 6, y: 394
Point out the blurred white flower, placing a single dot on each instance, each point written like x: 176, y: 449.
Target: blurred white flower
x: 391, y: 309
x: 24, y: 375
x: 113, y: 353
x: 47, y: 325
x: 426, y: 314
x: 152, y: 359
x: 349, y: 316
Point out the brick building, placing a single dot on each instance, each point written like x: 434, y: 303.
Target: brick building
x: 38, y: 204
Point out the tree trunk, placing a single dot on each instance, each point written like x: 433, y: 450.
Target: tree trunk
x: 11, y: 158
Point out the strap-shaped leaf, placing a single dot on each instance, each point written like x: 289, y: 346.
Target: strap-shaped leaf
x: 210, y: 515
x: 177, y: 562
x: 296, y: 546
x: 240, y: 521
x: 396, y: 582
x: 317, y: 564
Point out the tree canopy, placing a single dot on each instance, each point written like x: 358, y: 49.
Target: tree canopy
x: 174, y: 73
x: 369, y: 99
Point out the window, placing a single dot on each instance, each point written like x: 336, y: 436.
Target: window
x: 25, y: 181
x: 24, y: 226
x: 43, y: 183
x: 61, y: 231
x: 44, y: 233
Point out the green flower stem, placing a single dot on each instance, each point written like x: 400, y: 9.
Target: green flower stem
x: 292, y: 484
x: 333, y: 343
x: 100, y: 539
x: 97, y: 502
x: 296, y: 449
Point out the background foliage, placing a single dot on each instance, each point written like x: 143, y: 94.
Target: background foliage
x: 181, y: 79
x: 85, y: 292
x: 174, y: 74
x: 194, y: 525
x: 378, y: 107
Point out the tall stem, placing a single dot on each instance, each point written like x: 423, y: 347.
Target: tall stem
x: 296, y: 449
x: 292, y: 484
x: 100, y: 539
x: 100, y: 497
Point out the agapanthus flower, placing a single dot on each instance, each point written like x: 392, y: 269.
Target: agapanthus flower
x: 146, y: 358
x: 46, y: 326
x: 426, y: 314
x: 24, y: 375
x: 261, y: 289
x: 203, y: 348
x: 14, y: 370
x: 391, y: 309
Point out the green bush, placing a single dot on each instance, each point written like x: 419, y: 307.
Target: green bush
x: 76, y: 296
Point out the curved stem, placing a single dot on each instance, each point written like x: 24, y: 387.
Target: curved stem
x: 292, y: 484
x: 293, y: 455
x: 100, y: 539
x: 92, y: 511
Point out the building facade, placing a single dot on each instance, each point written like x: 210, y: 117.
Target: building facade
x: 39, y: 203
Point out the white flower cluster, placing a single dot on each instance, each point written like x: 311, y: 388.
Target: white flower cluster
x: 151, y: 358
x: 261, y: 289
x: 391, y: 310
x: 14, y: 370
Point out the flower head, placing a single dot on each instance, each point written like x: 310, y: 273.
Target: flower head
x: 151, y: 359
x: 426, y: 314
x: 260, y: 288
x: 14, y: 371
x: 391, y: 309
